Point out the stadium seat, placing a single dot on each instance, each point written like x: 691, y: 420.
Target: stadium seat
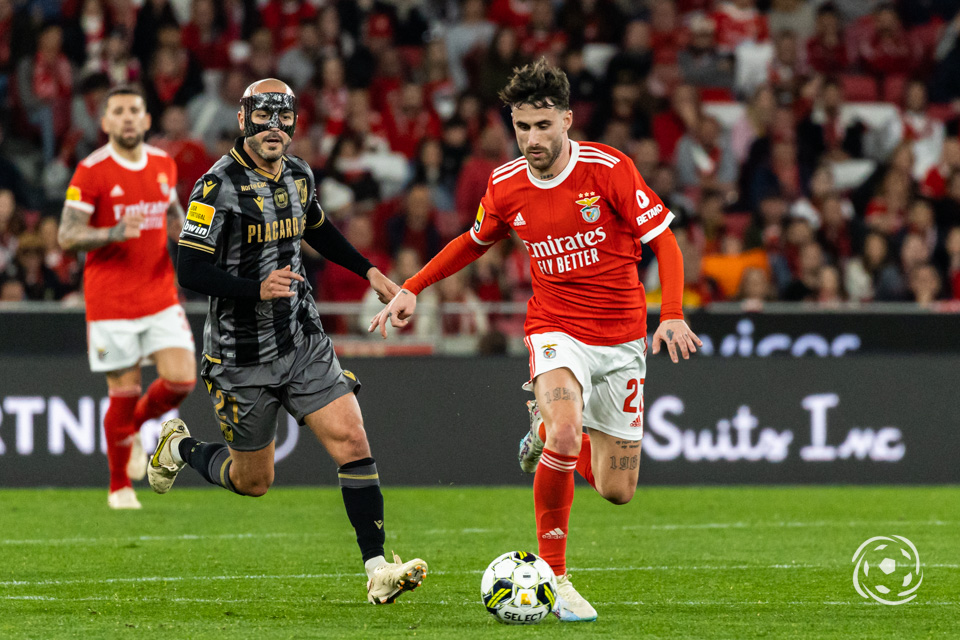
x: 859, y: 88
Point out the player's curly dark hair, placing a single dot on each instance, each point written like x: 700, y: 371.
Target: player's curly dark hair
x: 538, y: 84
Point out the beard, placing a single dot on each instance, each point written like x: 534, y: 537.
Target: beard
x: 129, y: 141
x: 547, y: 159
x: 257, y: 145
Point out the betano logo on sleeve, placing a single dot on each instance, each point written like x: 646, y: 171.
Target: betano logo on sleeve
x: 199, y: 218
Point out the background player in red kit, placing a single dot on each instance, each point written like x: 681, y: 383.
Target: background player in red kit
x: 120, y: 209
x: 582, y: 211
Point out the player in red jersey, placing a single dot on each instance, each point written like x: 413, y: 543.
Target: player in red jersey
x: 121, y: 208
x: 581, y: 210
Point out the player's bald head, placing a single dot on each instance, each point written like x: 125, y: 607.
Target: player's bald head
x: 268, y: 85
x: 275, y: 103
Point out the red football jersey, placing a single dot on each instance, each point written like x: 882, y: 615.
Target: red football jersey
x: 583, y: 230
x: 135, y: 278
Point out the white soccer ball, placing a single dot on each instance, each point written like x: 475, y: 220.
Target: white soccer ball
x: 519, y: 588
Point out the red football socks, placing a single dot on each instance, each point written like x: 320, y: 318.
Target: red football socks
x: 162, y: 396
x: 552, y: 499
x: 584, y: 462
x: 119, y: 428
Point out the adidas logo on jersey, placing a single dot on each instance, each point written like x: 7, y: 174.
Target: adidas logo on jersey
x: 116, y: 192
x: 556, y: 534
x: 518, y: 221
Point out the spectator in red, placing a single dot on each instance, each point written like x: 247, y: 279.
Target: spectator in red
x: 188, y: 152
x: 45, y: 83
x: 7, y: 15
x: 924, y: 132
x: 174, y: 80
x: 153, y: 16
x: 439, y: 91
x: 704, y: 158
x: 491, y: 152
x: 541, y: 36
x: 413, y: 226
x: 455, y: 289
x: 887, y: 51
x: 339, y: 285
x: 739, y: 21
x: 63, y: 263
x: 514, y: 14
x: 667, y: 37
x: 94, y: 24
x: 203, y: 36
x: 826, y: 50
x: 887, y: 211
x: 115, y: 59
x: 934, y: 184
x: 411, y: 120
x: 834, y: 232
x: 283, y: 19
x: 786, y: 72
x: 589, y: 21
x: 332, y: 97
x: 683, y: 115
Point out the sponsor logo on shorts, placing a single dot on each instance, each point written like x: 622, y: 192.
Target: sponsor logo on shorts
x: 549, y: 351
x: 199, y: 218
x: 637, y: 422
x: 590, y: 209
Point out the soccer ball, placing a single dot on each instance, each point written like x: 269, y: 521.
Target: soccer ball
x: 888, y: 570
x: 519, y: 588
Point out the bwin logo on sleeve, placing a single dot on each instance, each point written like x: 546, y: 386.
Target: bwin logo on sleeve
x: 887, y: 569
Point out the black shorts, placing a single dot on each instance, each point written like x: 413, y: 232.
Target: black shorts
x: 248, y: 399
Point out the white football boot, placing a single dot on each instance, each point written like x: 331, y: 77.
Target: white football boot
x: 531, y: 446
x: 571, y: 606
x: 125, y: 498
x: 137, y: 464
x: 390, y: 579
x: 163, y: 467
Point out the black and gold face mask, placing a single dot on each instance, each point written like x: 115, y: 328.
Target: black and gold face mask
x: 272, y: 103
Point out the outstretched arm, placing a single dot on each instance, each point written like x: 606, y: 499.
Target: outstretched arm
x: 76, y: 234
x: 672, y: 330
x: 460, y: 252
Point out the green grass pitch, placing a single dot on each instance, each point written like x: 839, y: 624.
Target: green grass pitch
x: 675, y: 563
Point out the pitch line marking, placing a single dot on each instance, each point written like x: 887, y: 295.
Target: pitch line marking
x: 328, y: 576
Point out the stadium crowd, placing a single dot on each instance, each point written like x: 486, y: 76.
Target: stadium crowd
x: 809, y: 150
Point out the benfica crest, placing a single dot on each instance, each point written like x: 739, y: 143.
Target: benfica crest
x: 590, y: 209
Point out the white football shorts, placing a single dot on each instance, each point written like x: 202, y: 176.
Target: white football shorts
x: 119, y: 344
x: 611, y: 378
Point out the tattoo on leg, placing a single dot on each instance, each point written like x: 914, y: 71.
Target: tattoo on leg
x: 624, y: 463
x: 627, y: 444
x: 560, y: 393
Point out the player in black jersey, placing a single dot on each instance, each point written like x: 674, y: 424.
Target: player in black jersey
x: 263, y: 345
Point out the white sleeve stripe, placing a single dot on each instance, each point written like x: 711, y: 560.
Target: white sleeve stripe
x: 512, y: 173
x: 86, y: 207
x: 583, y: 158
x: 510, y: 165
x: 478, y: 240
x: 612, y: 158
x: 650, y: 235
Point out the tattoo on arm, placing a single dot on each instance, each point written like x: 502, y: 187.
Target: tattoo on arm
x: 560, y: 393
x: 669, y: 334
x: 76, y: 234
